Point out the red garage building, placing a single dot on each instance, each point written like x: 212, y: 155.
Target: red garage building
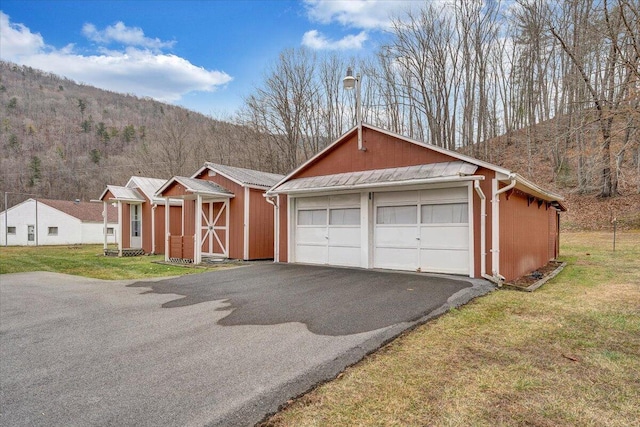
x: 392, y: 202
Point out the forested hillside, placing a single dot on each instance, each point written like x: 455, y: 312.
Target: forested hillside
x: 59, y: 139
x: 547, y: 88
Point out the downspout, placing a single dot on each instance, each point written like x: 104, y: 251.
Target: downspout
x: 495, y: 230
x: 273, y: 200
x: 483, y: 231
x: 153, y: 228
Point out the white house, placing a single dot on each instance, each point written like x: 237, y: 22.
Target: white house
x: 37, y: 222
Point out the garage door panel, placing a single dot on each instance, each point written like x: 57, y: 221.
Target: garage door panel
x: 312, y: 202
x: 396, y: 197
x: 311, y: 254
x: 396, y: 258
x: 328, y: 230
x: 445, y: 261
x: 344, y: 256
x: 345, y: 200
x: 344, y: 236
x: 445, y: 195
x: 311, y: 235
x: 397, y: 237
x: 444, y: 237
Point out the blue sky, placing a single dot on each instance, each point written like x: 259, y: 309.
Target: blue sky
x: 204, y: 55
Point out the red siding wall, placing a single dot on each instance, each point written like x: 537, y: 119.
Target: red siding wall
x: 383, y: 151
x: 260, y: 226
x: 146, y: 211
x: 524, y: 235
x: 126, y: 226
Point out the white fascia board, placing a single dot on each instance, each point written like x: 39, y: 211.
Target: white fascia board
x: 385, y: 184
x: 531, y: 188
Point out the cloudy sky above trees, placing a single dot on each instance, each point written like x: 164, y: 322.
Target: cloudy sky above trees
x: 205, y: 56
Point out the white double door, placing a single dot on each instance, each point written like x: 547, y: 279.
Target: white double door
x: 327, y: 230
x: 425, y: 230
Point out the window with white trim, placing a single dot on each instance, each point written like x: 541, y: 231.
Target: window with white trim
x: 312, y: 217
x: 397, y: 215
x: 109, y: 231
x: 52, y: 231
x: 11, y: 230
x: 347, y: 216
x: 448, y: 213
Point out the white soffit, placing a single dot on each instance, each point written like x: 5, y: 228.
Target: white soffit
x: 374, y: 177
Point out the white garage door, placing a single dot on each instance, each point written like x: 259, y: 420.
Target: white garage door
x: 422, y: 230
x: 328, y: 230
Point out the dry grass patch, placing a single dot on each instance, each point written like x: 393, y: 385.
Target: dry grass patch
x: 567, y: 354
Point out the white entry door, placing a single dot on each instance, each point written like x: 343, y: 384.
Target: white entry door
x: 136, y: 226
x: 328, y: 230
x: 424, y: 230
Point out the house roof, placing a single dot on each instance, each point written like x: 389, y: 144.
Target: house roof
x: 197, y: 186
x: 506, y: 175
x: 242, y: 176
x: 148, y: 186
x: 84, y: 211
x: 374, y: 178
x: 122, y: 193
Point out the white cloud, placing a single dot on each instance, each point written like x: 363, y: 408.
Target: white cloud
x: 120, y: 33
x: 17, y: 40
x: 365, y: 14
x: 315, y: 40
x: 139, y: 72
x: 142, y: 72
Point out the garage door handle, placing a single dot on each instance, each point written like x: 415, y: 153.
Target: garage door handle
x: 417, y: 238
x: 326, y: 237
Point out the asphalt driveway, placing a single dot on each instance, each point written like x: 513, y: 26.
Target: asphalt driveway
x: 220, y: 348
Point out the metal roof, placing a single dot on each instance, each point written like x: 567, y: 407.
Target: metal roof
x: 149, y: 186
x: 123, y: 193
x: 201, y: 186
x: 372, y: 178
x: 84, y: 211
x: 246, y: 176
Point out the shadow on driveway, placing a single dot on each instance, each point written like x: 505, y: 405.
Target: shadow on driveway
x: 329, y: 301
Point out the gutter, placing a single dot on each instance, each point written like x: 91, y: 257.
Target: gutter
x: 462, y: 178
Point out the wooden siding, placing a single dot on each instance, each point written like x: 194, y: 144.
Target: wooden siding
x: 181, y: 247
x: 174, y: 190
x: 126, y: 225
x: 175, y: 225
x: 108, y: 196
x: 260, y: 226
x: 524, y: 235
x: 146, y: 212
x: 383, y: 151
x: 236, y: 213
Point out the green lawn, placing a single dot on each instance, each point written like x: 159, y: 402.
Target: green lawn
x: 86, y: 260
x: 566, y: 355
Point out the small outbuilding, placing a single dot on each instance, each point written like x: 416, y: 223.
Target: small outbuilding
x: 225, y: 214
x: 376, y: 199
x: 37, y: 222
x: 140, y: 215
